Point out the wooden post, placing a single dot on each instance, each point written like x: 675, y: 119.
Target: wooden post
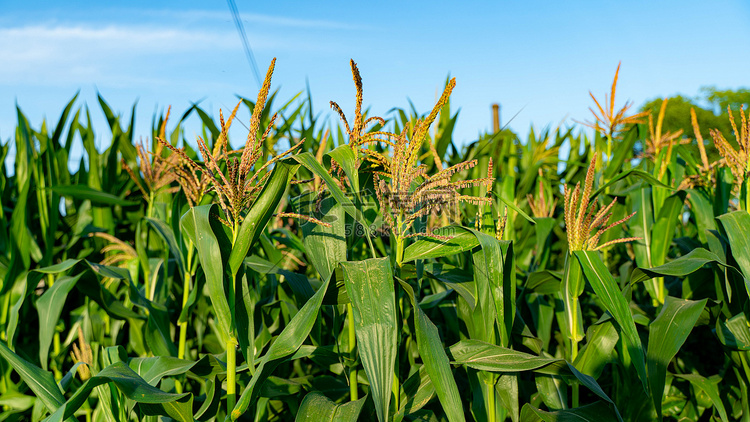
x: 495, y: 117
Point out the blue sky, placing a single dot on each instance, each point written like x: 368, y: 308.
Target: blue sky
x: 537, y: 58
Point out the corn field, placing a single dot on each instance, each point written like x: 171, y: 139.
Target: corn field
x: 371, y: 269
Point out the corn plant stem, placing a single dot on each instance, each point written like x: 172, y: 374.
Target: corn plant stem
x: 56, y: 338
x: 366, y: 231
x: 353, y: 393
x: 571, y: 301
x: 399, y: 240
x: 231, y: 373
x: 4, y: 316
x: 55, y: 353
x: 235, y: 231
x: 491, y: 404
x: 150, y: 205
x: 146, y: 269
x: 395, y: 390
x: 232, y: 347
x: 574, y: 349
x: 744, y: 383
x: 185, y: 296
x: 182, y: 350
x: 369, y: 243
x: 399, y: 263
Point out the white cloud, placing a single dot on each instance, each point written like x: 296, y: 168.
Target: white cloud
x: 253, y: 18
x: 94, y: 50
x: 83, y: 53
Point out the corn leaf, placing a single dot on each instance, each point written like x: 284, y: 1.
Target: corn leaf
x: 317, y: 407
x: 370, y: 287
x: 197, y: 224
x: 49, y: 306
x: 95, y: 196
x: 462, y: 240
x: 435, y: 360
x: 711, y: 388
x: 611, y: 297
x: 288, y: 342
x: 667, y: 334
x: 39, y: 381
x: 260, y: 212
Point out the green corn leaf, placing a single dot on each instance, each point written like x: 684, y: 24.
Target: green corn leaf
x: 151, y: 400
x: 92, y: 288
x: 49, y: 306
x: 733, y: 332
x: 316, y: 407
x: 58, y: 415
x: 667, y: 334
x: 703, y: 212
x: 84, y: 192
x: 663, y: 230
x: 592, y: 385
x: 260, y: 212
x: 544, y: 282
x: 553, y: 390
x: 299, y: 283
x: 344, y: 156
x: 29, y: 281
x: 207, y: 121
x: 711, y: 388
x: 58, y: 268
x: 435, y: 360
x: 167, y: 234
x: 454, y: 278
x: 510, y: 204
x: 506, y: 390
x: 210, y: 406
x: 542, y: 231
x: 416, y: 392
x: 245, y: 304
x: 641, y: 226
x: 39, y: 381
x: 601, y: 339
x: 494, y: 276
x: 197, y: 224
x: 153, y: 369
x: 681, y: 267
x: 737, y: 226
x: 489, y: 357
x: 326, y: 246
x: 288, y: 342
x: 370, y: 287
x: 158, y: 333
x: 595, y: 412
x: 462, y: 240
x: 607, y: 290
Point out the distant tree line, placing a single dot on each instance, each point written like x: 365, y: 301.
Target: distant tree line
x: 710, y: 109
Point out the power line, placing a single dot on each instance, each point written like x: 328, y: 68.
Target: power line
x: 243, y: 38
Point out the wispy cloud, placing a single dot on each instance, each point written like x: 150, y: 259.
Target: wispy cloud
x: 254, y: 18
x: 126, y: 44
x: 78, y: 53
